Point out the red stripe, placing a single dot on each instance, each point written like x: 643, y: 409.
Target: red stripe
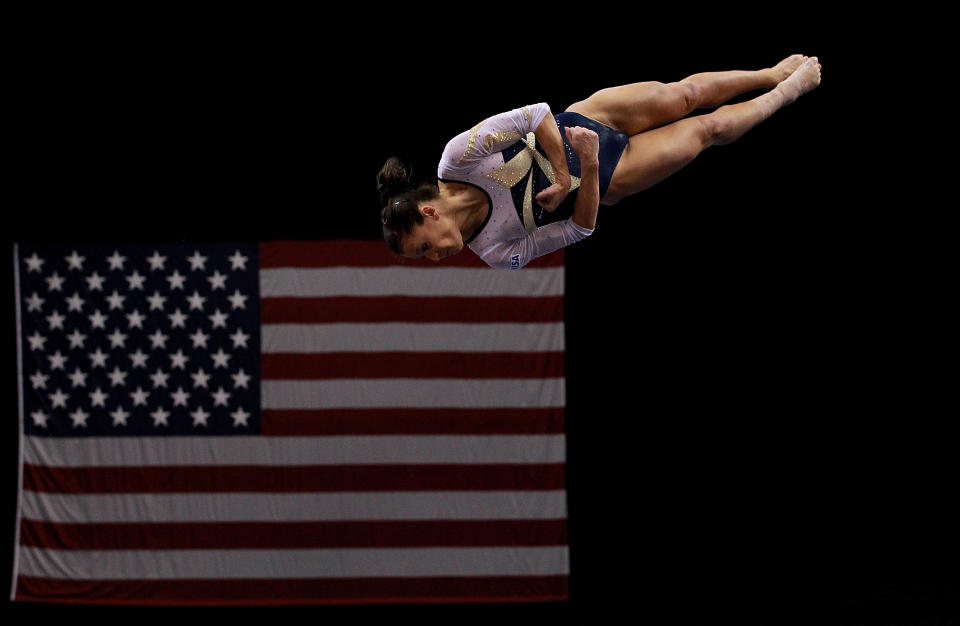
x: 296, y: 591
x: 366, y: 253
x: 313, y: 422
x: 292, y: 479
x: 411, y: 309
x: 292, y: 535
x: 293, y: 366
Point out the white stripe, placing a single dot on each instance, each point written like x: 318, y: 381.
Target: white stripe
x: 348, y: 393
x: 295, y: 507
x: 408, y: 281
x: 401, y: 337
x: 336, y: 563
x: 270, y: 451
x: 20, y: 433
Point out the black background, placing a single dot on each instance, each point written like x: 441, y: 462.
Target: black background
x: 753, y: 426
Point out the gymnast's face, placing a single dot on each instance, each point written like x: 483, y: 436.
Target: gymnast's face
x: 437, y: 238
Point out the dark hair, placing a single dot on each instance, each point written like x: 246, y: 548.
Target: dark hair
x: 401, y: 200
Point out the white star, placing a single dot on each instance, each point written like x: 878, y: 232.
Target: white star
x: 59, y: 399
x: 135, y: 319
x: 176, y: 280
x: 98, y: 320
x: 34, y: 302
x: 78, y: 378
x: 139, y: 396
x: 39, y: 419
x: 177, y: 319
x: 36, y: 340
x: 98, y: 358
x: 200, y: 417
x: 57, y: 361
x: 219, y: 319
x: 117, y: 377
x: 196, y: 301
x: 159, y: 340
x: 239, y: 338
x: 180, y: 397
x: 220, y: 358
x: 200, y: 378
x: 199, y: 338
x: 39, y: 380
x: 220, y: 397
x: 238, y: 261
x: 119, y: 417
x: 240, y: 379
x: 75, y: 302
x: 116, y: 261
x: 160, y: 417
x: 75, y: 261
x: 117, y: 339
x: 238, y: 300
x: 98, y: 398
x: 156, y: 301
x: 240, y: 417
x: 179, y: 360
x: 55, y: 282
x: 95, y: 282
x: 79, y: 418
x: 156, y: 261
x: 136, y: 280
x: 159, y: 379
x: 217, y: 281
x: 139, y: 358
x: 115, y: 300
x: 55, y: 320
x: 76, y: 339
x: 196, y: 261
x: 33, y: 263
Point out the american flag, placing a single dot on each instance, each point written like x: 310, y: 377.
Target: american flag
x: 288, y: 422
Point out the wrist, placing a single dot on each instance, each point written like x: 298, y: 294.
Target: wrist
x: 589, y: 163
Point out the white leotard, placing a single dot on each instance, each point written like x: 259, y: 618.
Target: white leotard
x: 474, y: 157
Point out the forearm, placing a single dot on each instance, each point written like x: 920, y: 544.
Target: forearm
x: 548, y: 135
x: 588, y: 197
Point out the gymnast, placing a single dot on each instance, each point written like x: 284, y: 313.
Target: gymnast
x: 525, y: 183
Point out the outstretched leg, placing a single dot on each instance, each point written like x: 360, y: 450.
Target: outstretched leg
x: 653, y: 155
x: 638, y: 107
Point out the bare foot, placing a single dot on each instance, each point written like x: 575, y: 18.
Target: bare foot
x: 784, y: 68
x: 805, y: 78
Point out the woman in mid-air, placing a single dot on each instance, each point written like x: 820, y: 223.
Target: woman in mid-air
x: 524, y: 183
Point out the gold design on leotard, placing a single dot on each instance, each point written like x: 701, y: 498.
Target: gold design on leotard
x: 500, y: 136
x: 513, y: 171
x: 528, y: 222
x: 526, y: 111
x: 471, y: 141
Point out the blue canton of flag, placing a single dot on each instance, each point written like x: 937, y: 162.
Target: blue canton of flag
x: 140, y: 339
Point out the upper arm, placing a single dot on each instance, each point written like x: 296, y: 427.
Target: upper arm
x: 516, y: 253
x: 493, y: 134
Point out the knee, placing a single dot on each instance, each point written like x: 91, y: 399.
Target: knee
x: 690, y: 93
x: 710, y: 129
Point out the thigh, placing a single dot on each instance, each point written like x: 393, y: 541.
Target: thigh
x: 637, y: 107
x: 654, y: 155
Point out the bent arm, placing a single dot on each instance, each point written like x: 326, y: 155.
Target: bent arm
x: 548, y: 134
x: 588, y: 198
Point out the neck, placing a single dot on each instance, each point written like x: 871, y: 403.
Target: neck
x: 462, y: 205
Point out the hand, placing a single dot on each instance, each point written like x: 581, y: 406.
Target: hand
x: 551, y: 197
x: 585, y: 143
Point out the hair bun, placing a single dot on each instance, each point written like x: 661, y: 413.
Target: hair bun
x: 394, y: 178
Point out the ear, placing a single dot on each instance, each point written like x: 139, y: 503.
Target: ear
x: 428, y: 210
